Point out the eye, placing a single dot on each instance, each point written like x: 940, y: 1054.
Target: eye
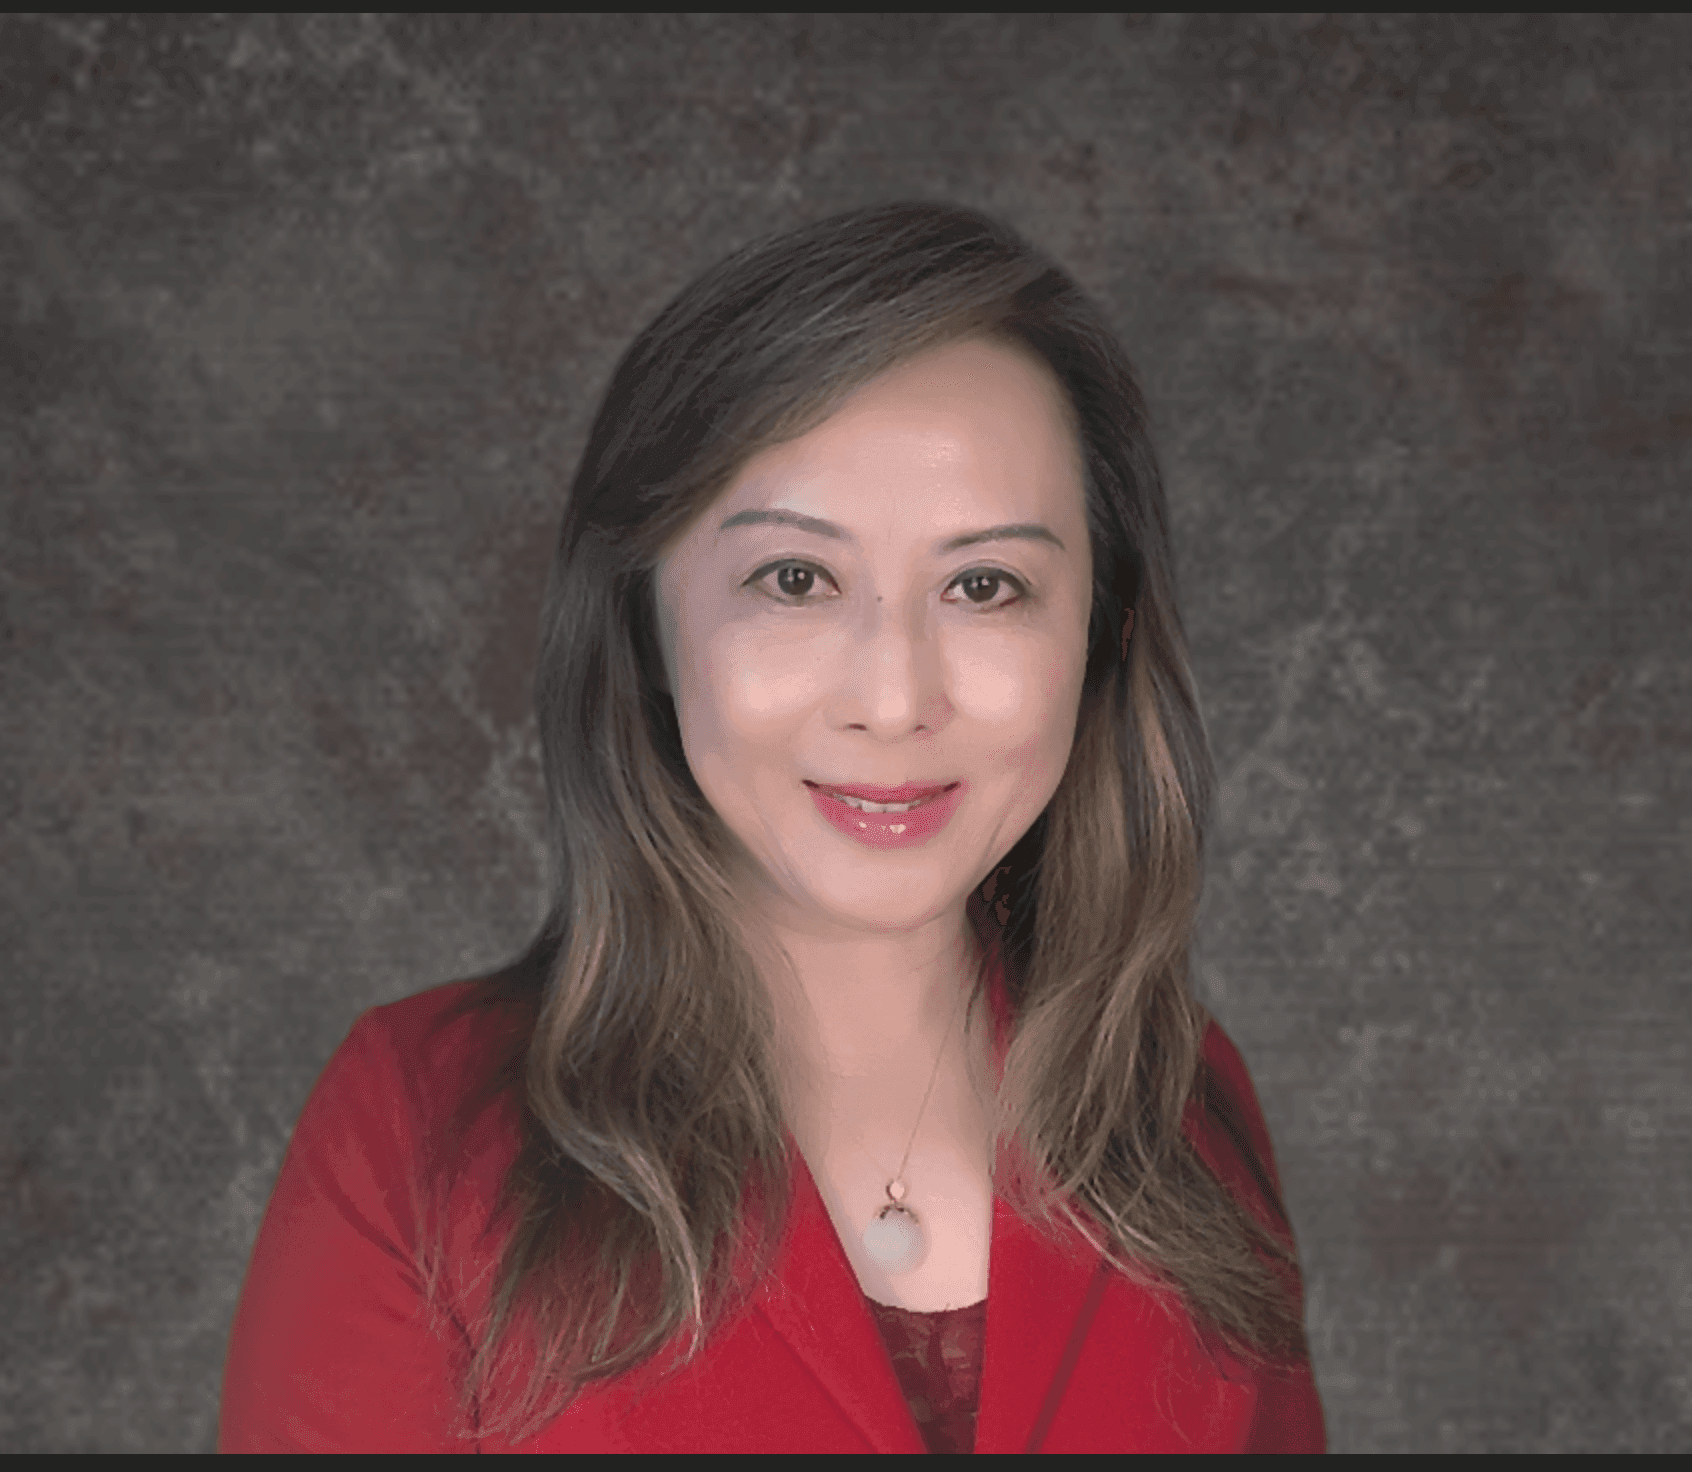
x: 797, y: 582
x: 794, y: 581
x: 982, y: 586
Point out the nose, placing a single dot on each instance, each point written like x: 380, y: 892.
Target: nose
x: 893, y: 682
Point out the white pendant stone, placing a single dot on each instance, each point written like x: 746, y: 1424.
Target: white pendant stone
x: 894, y: 1239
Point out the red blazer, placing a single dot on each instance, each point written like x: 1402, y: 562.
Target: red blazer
x: 334, y: 1347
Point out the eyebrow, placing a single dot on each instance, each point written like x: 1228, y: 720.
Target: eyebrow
x: 1029, y: 531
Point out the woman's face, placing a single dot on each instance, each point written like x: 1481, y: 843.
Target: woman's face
x: 897, y: 599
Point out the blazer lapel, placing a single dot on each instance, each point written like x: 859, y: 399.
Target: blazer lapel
x: 1078, y: 1359
x: 813, y: 1300
x: 1091, y: 1363
x: 1036, y: 1292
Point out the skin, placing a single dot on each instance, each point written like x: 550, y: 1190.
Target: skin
x: 874, y: 658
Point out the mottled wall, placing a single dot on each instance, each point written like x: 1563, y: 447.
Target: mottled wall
x: 304, y: 321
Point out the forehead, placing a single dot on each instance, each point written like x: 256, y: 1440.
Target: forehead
x: 970, y: 431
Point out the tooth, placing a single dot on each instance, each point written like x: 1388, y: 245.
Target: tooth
x: 879, y: 807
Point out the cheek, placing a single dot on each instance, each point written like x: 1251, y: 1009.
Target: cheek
x: 741, y: 694
x: 1021, y: 702
x: 1023, y: 693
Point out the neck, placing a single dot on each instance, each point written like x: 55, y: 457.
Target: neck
x: 853, y: 1007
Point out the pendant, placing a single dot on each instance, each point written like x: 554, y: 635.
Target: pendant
x: 894, y: 1239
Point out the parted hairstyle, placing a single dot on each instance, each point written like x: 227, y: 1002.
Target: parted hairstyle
x: 654, y: 1151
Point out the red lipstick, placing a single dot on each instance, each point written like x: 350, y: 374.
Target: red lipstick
x: 869, y: 792
x: 935, y: 804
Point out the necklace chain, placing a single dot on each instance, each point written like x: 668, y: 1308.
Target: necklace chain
x: 899, y: 1175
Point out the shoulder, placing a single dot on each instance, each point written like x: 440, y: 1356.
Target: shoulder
x: 434, y: 1045
x: 1226, y: 1123
x: 1231, y: 1079
x: 348, y: 1328
x: 456, y: 1021
x: 411, y: 1080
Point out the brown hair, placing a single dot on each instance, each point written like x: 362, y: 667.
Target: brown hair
x: 649, y: 1080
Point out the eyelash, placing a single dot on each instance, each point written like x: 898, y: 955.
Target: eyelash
x: 1010, y: 579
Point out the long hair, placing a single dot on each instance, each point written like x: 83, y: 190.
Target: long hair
x: 653, y: 1122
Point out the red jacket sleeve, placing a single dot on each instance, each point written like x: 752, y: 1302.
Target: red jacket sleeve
x: 334, y: 1347
x: 1289, y: 1412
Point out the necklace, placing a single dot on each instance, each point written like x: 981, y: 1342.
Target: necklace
x: 894, y: 1238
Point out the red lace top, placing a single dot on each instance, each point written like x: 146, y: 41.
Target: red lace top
x: 937, y: 1357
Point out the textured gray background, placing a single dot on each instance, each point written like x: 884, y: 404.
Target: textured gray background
x: 304, y: 320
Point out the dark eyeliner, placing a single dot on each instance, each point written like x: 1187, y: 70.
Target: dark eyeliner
x: 1004, y: 575
x: 781, y: 562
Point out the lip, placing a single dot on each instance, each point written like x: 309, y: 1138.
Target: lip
x: 869, y: 792
x: 889, y: 830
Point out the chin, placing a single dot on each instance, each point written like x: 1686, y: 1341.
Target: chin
x: 886, y: 903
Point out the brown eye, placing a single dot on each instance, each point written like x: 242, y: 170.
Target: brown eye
x: 795, y: 581
x: 983, y: 585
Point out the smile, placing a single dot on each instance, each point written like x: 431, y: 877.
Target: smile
x: 888, y: 825
x: 881, y: 807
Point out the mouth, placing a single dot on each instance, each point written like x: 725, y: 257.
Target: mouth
x: 869, y: 798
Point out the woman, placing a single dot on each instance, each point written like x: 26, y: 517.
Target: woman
x: 851, y: 1097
